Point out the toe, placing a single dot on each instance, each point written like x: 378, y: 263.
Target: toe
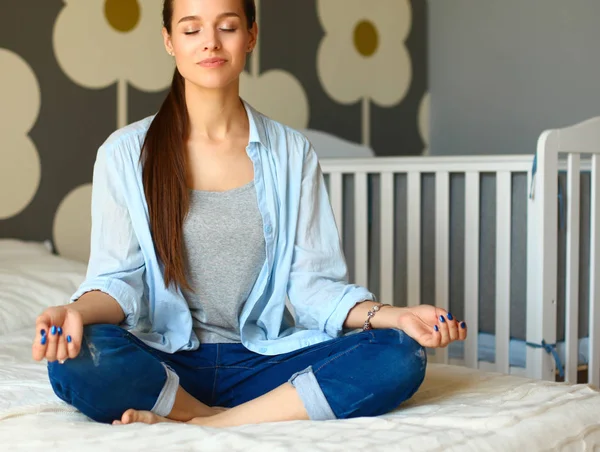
x: 129, y: 417
x: 147, y: 417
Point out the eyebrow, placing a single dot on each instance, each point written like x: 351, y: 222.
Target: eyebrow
x: 220, y: 16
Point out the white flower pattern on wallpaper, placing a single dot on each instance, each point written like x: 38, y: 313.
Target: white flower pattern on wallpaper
x: 72, y: 224
x: 20, y: 170
x: 275, y: 93
x: 362, y: 55
x: 101, y: 42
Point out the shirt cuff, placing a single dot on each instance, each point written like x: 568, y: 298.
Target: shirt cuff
x: 123, y: 293
x: 335, y: 323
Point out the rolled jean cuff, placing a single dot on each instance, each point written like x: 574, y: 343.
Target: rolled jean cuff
x: 166, y: 398
x: 312, y: 396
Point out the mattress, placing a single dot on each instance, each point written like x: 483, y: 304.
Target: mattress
x: 456, y: 409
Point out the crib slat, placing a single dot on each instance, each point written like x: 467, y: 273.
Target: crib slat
x: 387, y: 239
x: 442, y: 248
x: 542, y: 236
x: 503, y: 239
x: 336, y: 199
x: 472, y: 194
x: 572, y: 270
x: 361, y: 227
x: 413, y: 239
x: 594, y: 361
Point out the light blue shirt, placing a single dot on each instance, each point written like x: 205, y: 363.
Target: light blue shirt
x: 304, y: 260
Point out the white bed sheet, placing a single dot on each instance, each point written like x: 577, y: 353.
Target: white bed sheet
x: 31, y: 279
x: 455, y: 409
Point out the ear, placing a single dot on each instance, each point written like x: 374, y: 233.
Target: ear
x: 167, y: 41
x: 253, y: 32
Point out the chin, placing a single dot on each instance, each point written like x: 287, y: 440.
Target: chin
x: 213, y: 81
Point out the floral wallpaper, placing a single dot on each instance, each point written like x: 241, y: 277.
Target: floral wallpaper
x: 73, y: 71
x: 363, y: 57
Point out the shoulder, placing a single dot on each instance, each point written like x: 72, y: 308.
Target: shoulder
x: 126, y: 143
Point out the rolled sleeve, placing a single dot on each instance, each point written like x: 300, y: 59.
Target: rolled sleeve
x: 116, y: 265
x: 334, y: 325
x: 318, y: 286
x: 121, y: 291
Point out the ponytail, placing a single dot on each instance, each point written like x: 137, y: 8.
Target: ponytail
x: 164, y: 176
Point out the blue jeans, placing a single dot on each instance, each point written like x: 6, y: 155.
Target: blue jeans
x: 363, y: 374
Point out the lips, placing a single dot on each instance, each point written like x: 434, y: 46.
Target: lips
x: 212, y: 62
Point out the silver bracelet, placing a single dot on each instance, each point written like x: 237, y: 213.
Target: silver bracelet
x: 367, y: 325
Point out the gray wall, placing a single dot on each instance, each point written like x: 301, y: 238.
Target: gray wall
x: 502, y: 71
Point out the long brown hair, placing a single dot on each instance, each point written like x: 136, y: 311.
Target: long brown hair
x: 164, y: 173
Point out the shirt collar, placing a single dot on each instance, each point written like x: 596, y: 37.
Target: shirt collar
x: 258, y: 133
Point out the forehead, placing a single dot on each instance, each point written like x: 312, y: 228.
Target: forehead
x: 206, y: 9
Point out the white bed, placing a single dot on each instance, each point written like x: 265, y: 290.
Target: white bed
x: 462, y: 405
x: 456, y: 409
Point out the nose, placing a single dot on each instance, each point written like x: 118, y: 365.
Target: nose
x: 211, y: 40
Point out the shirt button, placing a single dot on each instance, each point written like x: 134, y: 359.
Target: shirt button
x: 268, y: 229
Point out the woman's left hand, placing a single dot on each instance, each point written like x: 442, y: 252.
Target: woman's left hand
x: 430, y: 326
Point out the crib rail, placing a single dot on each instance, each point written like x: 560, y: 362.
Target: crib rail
x: 576, y: 149
x: 413, y: 169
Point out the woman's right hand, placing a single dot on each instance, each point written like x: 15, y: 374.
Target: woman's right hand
x: 59, y: 331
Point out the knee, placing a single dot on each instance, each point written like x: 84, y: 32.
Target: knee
x: 96, y: 343
x: 403, y: 363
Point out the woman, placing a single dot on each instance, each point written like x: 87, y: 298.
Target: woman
x: 205, y: 218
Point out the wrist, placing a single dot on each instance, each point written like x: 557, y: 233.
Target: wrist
x: 388, y: 317
x: 401, y: 316
x: 73, y: 308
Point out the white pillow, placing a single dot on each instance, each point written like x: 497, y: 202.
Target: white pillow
x: 32, y: 279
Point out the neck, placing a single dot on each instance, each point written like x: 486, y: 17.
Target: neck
x: 215, y: 114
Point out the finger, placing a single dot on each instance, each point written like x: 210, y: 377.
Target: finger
x: 61, y: 349
x: 444, y: 333
x: 40, y: 342
x: 462, y: 331
x: 73, y: 346
x: 436, y: 338
x: 73, y: 338
x: 52, y: 344
x: 452, y: 327
x: 429, y: 341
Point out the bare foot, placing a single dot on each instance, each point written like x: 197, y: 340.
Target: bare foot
x: 146, y: 417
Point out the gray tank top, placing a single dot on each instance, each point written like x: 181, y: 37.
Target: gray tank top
x: 224, y: 253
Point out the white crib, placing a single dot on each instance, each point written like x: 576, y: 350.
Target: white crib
x: 541, y: 234
x: 575, y: 149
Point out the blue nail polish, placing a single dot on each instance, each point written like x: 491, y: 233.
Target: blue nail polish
x: 59, y: 331
x: 53, y: 330
x: 43, y: 341
x: 435, y: 327
x: 43, y: 332
x: 463, y: 325
x: 69, y: 339
x: 442, y: 319
x: 450, y: 316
